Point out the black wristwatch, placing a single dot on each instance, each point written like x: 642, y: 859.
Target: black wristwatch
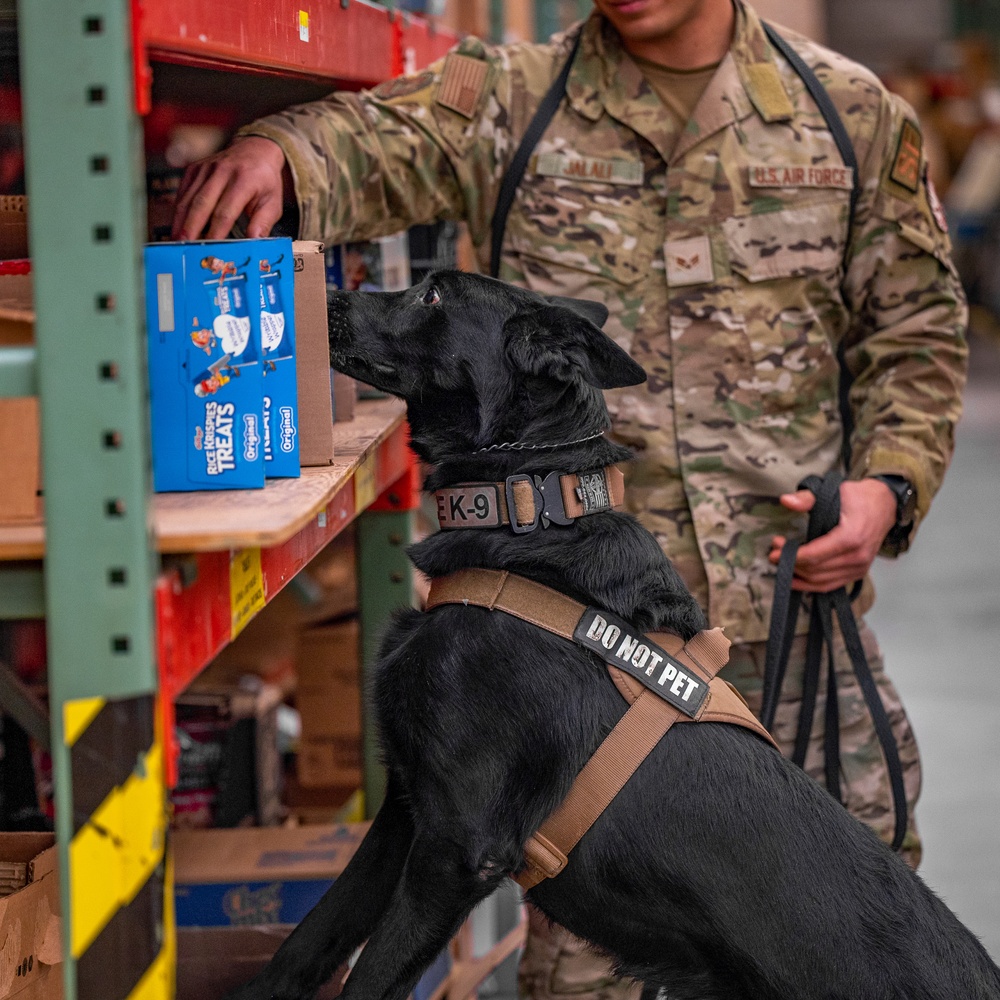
x: 906, y: 507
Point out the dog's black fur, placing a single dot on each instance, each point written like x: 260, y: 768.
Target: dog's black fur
x: 721, y: 870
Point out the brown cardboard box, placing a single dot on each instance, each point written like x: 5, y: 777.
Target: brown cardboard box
x: 20, y: 461
x: 30, y: 927
x: 214, y: 961
x: 240, y: 892
x: 13, y: 226
x: 229, y: 769
x: 312, y: 355
x: 20, y: 450
x: 345, y: 396
x: 328, y: 697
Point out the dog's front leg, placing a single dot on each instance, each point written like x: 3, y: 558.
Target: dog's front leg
x: 437, y: 892
x: 345, y: 916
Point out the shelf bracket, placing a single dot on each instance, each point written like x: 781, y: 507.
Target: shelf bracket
x: 18, y: 374
x: 19, y: 703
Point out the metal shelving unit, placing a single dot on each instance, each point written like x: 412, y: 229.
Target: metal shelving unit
x: 137, y: 600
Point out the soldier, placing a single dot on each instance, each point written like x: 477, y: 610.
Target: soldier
x: 689, y: 181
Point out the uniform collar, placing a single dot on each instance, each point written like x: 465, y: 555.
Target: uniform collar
x: 748, y: 81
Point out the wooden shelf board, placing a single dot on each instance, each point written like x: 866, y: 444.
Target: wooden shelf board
x: 233, y: 519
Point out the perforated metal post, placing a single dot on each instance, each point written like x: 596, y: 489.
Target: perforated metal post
x: 86, y: 196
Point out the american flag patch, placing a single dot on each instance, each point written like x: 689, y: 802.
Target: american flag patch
x: 462, y: 83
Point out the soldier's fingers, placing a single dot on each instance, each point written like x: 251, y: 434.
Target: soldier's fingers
x: 264, y: 213
x: 202, y: 201
x: 801, y: 501
x: 820, y: 550
x: 192, y: 180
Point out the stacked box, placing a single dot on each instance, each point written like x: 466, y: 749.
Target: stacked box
x: 277, y: 335
x: 207, y: 362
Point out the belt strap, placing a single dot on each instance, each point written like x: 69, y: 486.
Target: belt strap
x: 642, y: 726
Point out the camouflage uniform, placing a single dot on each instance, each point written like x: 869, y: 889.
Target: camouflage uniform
x: 720, y: 255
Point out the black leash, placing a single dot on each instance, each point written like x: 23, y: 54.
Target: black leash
x: 825, y: 516
x: 508, y: 186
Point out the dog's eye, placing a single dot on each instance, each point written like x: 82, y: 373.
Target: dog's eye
x: 431, y: 297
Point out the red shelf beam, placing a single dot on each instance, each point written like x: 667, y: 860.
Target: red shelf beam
x: 360, y: 44
x: 193, y: 607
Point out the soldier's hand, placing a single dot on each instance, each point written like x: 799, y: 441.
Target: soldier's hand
x: 249, y: 177
x: 843, y: 555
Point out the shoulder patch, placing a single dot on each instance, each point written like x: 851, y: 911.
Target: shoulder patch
x: 906, y: 166
x: 404, y: 86
x: 462, y: 82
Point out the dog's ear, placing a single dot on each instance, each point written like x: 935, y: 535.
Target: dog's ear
x: 558, y: 341
x: 596, y: 312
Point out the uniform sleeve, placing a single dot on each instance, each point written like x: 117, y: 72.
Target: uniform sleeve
x: 413, y: 150
x: 907, y: 347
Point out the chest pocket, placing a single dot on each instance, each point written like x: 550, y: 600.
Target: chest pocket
x: 786, y: 270
x: 790, y: 242
x: 569, y: 235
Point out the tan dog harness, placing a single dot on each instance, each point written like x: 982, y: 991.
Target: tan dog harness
x: 664, y: 679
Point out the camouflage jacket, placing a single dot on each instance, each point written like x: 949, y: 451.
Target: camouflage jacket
x: 720, y: 254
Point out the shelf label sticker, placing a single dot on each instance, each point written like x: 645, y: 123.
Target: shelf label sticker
x: 303, y: 26
x: 364, y: 483
x: 246, y: 587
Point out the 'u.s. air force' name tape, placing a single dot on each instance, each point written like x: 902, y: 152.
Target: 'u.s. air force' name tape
x: 624, y: 647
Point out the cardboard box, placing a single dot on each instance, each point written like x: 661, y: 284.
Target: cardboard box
x: 207, y: 361
x: 20, y: 441
x: 20, y: 461
x: 345, y: 396
x: 229, y: 771
x: 17, y: 310
x: 13, y: 226
x: 30, y: 926
x: 313, y: 354
x: 277, y: 335
x: 238, y: 893
x: 212, y: 962
x: 328, y: 697
x: 254, y: 876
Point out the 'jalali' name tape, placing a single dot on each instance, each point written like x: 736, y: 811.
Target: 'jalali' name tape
x: 625, y: 647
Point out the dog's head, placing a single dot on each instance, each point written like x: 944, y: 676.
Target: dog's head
x: 480, y: 362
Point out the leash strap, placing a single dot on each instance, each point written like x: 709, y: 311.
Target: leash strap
x: 846, y: 149
x: 550, y: 104
x: 643, y: 725
x: 508, y: 187
x: 824, y: 516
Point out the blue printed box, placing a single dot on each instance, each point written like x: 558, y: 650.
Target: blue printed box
x: 206, y: 370
x: 277, y: 333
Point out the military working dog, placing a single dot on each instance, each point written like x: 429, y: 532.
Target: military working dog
x: 720, y: 870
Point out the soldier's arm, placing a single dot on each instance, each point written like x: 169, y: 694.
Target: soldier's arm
x: 907, y: 348
x: 358, y: 166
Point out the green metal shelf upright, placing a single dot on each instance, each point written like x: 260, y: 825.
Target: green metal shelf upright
x: 85, y: 180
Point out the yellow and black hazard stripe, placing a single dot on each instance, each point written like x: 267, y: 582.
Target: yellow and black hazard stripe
x: 121, y: 928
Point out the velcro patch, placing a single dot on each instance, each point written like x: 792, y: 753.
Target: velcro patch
x: 623, y: 646
x: 462, y: 81
x: 801, y: 175
x: 469, y: 507
x: 593, y: 492
x: 906, y: 166
x: 589, y: 168
x: 689, y: 261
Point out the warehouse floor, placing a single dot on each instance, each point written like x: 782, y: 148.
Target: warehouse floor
x: 937, y: 618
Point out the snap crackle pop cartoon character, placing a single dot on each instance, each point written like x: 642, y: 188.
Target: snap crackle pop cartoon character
x: 212, y: 379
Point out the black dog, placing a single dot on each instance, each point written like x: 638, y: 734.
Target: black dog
x: 720, y: 870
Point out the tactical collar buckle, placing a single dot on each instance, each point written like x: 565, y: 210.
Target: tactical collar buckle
x: 523, y: 502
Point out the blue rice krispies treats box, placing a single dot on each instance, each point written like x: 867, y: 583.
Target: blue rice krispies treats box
x: 277, y: 334
x: 207, y: 364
